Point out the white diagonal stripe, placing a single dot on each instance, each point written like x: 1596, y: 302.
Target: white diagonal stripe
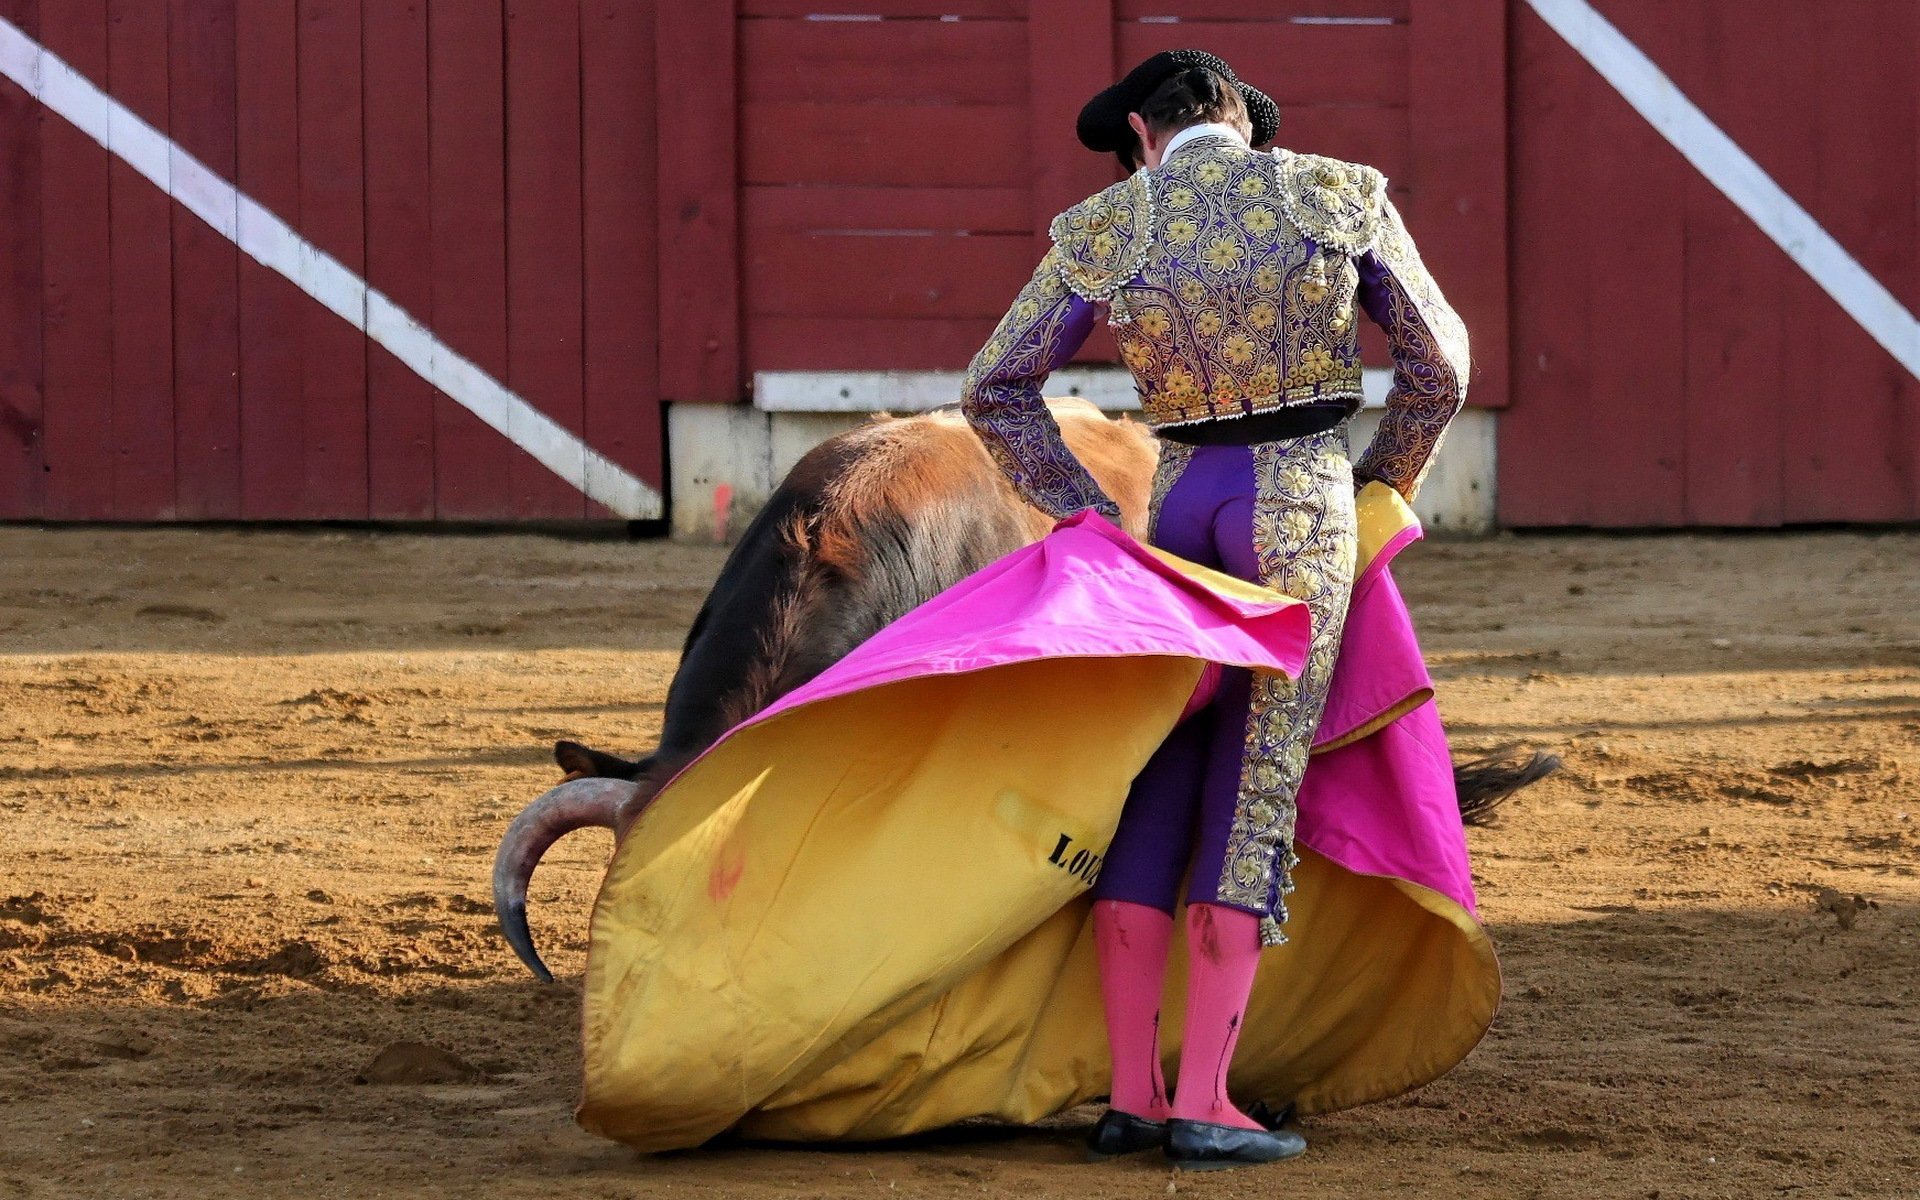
x: 273, y: 243
x: 1733, y: 171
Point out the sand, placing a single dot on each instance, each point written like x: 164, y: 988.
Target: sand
x: 250, y: 784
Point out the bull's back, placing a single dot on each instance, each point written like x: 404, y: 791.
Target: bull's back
x: 865, y: 527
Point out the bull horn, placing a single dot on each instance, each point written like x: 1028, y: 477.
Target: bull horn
x: 578, y: 804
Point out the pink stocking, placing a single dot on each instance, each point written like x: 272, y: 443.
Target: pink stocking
x: 1132, y: 941
x: 1223, y: 948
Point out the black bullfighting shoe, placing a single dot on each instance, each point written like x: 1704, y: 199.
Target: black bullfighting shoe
x: 1200, y: 1146
x: 1117, y: 1133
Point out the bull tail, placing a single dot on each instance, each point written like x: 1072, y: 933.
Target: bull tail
x: 1487, y: 782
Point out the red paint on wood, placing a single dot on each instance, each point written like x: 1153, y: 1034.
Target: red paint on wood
x: 1853, y: 446
x: 1544, y: 477
x: 400, y: 404
x: 272, y: 431
x: 22, y: 457
x: 1070, y: 57
x: 839, y: 209
x: 1628, y: 433
x: 853, y: 62
x: 332, y: 215
x: 698, y: 121
x: 1457, y: 114
x: 141, y: 255
x: 1733, y: 281
x: 885, y: 144
x: 1266, y: 10
x: 469, y: 245
x: 925, y: 275
x: 206, y: 267
x: 621, y: 282
x: 1374, y: 134
x: 922, y: 9
x: 544, y: 363
x: 864, y: 343
x: 1296, y: 64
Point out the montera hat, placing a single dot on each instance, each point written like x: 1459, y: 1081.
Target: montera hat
x: 1103, y: 122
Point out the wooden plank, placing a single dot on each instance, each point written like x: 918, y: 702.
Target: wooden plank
x: 929, y: 275
x: 1457, y: 115
x: 864, y: 343
x: 333, y: 384
x: 1734, y: 278
x: 140, y: 216
x: 829, y: 208
x: 77, y: 275
x: 852, y: 62
x: 1857, y: 450
x: 206, y: 268
x: 22, y: 378
x: 468, y: 114
x: 1374, y: 134
x: 400, y: 404
x: 272, y: 437
x: 1304, y: 11
x: 1295, y: 64
x: 621, y: 285
x: 1544, y: 477
x: 1070, y: 55
x: 544, y: 362
x: 698, y: 116
x: 1631, y: 432
x: 1734, y: 397
x: 876, y: 9
x: 879, y: 144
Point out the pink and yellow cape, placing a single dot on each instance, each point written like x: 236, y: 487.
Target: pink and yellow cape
x: 862, y: 913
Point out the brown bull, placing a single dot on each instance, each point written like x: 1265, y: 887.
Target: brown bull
x: 867, y: 526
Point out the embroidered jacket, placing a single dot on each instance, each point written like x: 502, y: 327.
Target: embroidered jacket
x: 1230, y: 278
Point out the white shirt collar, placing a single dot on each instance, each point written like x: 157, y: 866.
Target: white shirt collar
x: 1192, y: 132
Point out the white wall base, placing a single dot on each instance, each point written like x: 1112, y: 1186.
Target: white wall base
x: 748, y: 450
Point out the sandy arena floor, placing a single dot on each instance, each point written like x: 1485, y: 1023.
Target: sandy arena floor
x: 250, y: 784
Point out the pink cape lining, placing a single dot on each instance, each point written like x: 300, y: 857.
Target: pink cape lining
x: 1383, y: 804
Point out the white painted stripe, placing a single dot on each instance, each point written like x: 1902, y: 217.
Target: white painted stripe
x: 1733, y: 171
x: 274, y: 244
x: 917, y: 391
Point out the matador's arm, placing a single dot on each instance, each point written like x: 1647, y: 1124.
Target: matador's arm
x: 1430, y: 358
x: 1001, y: 397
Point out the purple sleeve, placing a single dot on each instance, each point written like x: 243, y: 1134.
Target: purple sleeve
x: 1001, y: 396
x: 1430, y: 360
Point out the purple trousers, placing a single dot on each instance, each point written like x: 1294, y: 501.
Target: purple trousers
x: 1217, y: 799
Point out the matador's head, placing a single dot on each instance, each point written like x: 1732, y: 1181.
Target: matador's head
x: 1165, y: 94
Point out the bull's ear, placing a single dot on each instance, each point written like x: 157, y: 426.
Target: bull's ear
x: 582, y: 762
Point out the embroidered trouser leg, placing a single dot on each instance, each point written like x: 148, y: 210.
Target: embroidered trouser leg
x: 1218, y: 796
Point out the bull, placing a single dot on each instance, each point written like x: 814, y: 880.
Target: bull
x: 867, y: 526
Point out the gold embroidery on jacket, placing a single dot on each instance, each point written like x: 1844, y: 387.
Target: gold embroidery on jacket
x: 1244, y: 301
x: 1430, y: 361
x: 1005, y: 409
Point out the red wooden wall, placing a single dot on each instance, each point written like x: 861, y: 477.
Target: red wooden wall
x: 488, y: 164
x: 613, y: 204
x: 898, y: 172
x: 1671, y: 365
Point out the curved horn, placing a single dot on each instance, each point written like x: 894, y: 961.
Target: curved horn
x: 579, y: 804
